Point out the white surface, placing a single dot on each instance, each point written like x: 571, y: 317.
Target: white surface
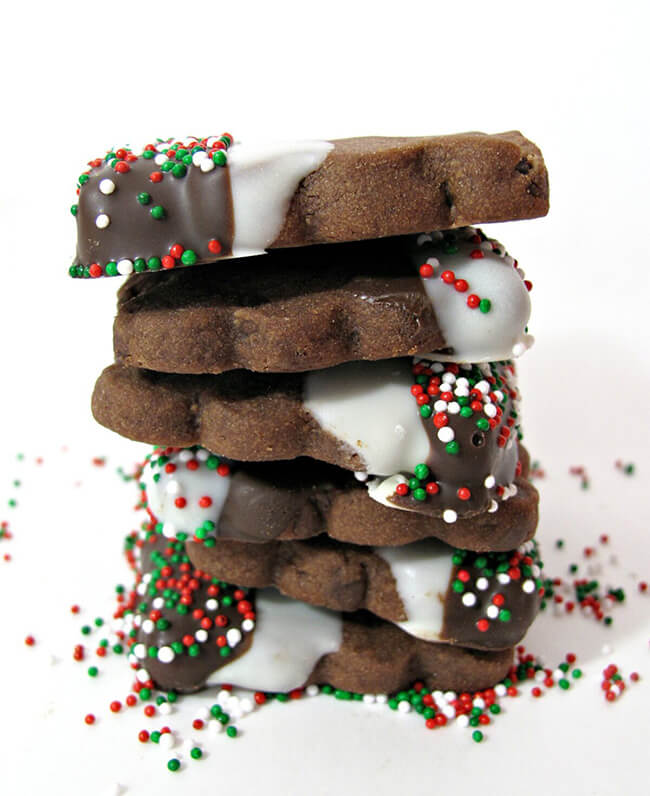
x: 573, y: 77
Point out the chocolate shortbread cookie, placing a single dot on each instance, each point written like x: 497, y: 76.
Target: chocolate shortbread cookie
x: 181, y: 203
x: 298, y: 310
x: 433, y: 592
x: 442, y: 438
x: 195, y: 493
x: 264, y: 641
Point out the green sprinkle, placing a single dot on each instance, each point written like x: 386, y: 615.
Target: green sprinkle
x: 421, y: 471
x: 458, y: 586
x: 188, y: 257
x: 576, y: 674
x: 420, y: 494
x: 495, y: 709
x: 452, y: 447
x: 154, y: 264
x: 179, y: 170
x: 167, y: 166
x: 485, y: 305
x: 564, y: 684
x: 86, y: 630
x: 74, y: 209
x: 174, y: 764
x: 219, y: 158
x: 559, y: 544
x: 93, y: 671
x: 157, y: 212
x: 466, y: 411
x: 111, y: 269
x: 477, y: 736
x: 483, y: 424
x: 231, y: 732
x: 196, y: 753
x: 426, y: 411
x: 144, y: 198
x: 155, y: 736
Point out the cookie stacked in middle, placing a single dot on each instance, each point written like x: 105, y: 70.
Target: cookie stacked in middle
x: 338, y: 424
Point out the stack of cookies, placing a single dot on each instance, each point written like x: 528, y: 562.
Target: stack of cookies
x: 323, y: 359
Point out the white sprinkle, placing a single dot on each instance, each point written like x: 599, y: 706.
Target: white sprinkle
x: 201, y: 636
x: 492, y: 612
x: 165, y: 707
x: 202, y: 455
x: 102, y: 221
x: 453, y: 408
x: 500, y: 690
x: 446, y: 434
x: 482, y: 584
x: 207, y: 164
x: 434, y: 262
x: 140, y: 651
x: 461, y: 392
x: 148, y: 626
x: 490, y: 410
x: 462, y: 383
x: 508, y: 260
x: 212, y: 604
x: 479, y: 703
x: 160, y: 159
x: 124, y: 267
x: 463, y: 720
x: 449, y: 378
x: 223, y: 697
x: 312, y: 690
x: 469, y: 599
x: 197, y: 157
x: 106, y: 187
x: 167, y: 740
x: 528, y: 586
x: 503, y: 578
x: 158, y: 603
x: 369, y: 699
x: 247, y: 625
x: 424, y: 238
x: 449, y: 515
x: 381, y: 699
x: 361, y: 476
x: 489, y: 482
x: 169, y: 530
x: 437, y: 367
x: 482, y: 386
x: 185, y: 456
x: 449, y: 711
x: 142, y: 675
x: 438, y: 696
x: 246, y: 705
x: 400, y: 431
x: 440, y: 405
x: 233, y: 636
x: 172, y: 487
x: 215, y: 726
x: 494, y: 506
x: 404, y: 706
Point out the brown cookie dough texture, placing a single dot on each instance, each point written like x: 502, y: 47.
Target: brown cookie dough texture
x: 345, y: 577
x: 289, y: 310
x: 441, y: 182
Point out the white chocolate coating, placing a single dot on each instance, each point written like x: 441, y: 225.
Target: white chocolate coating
x: 263, y: 178
x: 369, y: 406
x: 189, y: 484
x: 290, y: 637
x: 422, y: 571
x: 473, y: 335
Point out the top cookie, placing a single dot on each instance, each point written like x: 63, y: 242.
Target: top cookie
x: 180, y: 203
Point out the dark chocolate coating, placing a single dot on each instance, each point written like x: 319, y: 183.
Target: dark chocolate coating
x: 346, y: 577
x: 198, y: 208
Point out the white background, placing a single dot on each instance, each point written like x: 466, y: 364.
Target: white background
x: 79, y: 78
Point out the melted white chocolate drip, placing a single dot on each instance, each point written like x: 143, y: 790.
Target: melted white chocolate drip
x: 191, y: 485
x: 369, y: 407
x: 290, y: 637
x: 474, y: 336
x: 263, y: 178
x: 422, y: 571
